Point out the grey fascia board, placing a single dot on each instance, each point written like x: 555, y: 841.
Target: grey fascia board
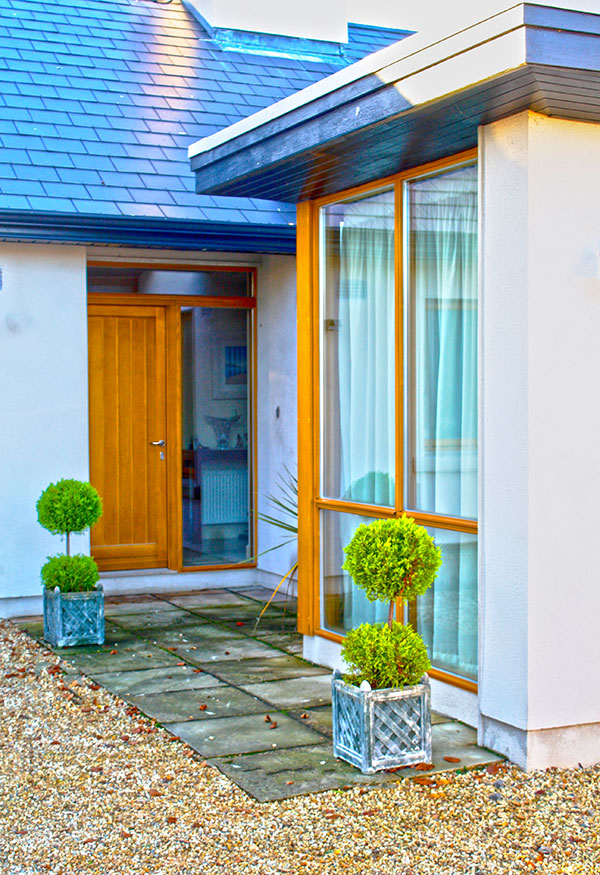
x: 516, y: 37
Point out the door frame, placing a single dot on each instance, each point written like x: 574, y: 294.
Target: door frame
x: 172, y: 306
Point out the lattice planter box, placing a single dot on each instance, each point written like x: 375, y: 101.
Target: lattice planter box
x: 72, y: 618
x: 381, y: 729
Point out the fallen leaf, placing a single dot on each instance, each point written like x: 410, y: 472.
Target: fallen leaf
x: 89, y: 841
x: 113, y: 653
x: 196, y: 825
x: 539, y: 792
x: 239, y: 623
x: 424, y: 767
x: 154, y: 793
x: 493, y: 768
x: 228, y: 653
x: 452, y: 759
x: 124, y: 738
x: 180, y: 663
x: 93, y: 687
x: 369, y: 812
x: 125, y: 835
x: 174, y: 738
x: 267, y: 718
x: 304, y: 716
x: 97, y: 770
x: 197, y: 670
x: 426, y: 782
x: 171, y: 820
x: 203, y: 707
x: 273, y: 725
x: 289, y: 782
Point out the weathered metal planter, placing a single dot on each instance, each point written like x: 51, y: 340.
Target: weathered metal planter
x: 381, y: 729
x: 72, y: 618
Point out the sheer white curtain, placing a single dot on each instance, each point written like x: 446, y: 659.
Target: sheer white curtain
x: 358, y: 406
x: 442, y: 417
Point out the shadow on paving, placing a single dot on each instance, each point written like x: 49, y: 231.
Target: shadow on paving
x: 240, y: 695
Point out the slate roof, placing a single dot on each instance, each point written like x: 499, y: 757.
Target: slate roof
x: 99, y: 100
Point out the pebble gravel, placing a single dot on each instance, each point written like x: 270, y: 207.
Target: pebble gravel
x: 88, y: 785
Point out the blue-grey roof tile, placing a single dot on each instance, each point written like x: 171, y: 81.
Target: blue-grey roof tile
x: 57, y: 204
x: 21, y: 186
x: 99, y: 100
x: 14, y: 202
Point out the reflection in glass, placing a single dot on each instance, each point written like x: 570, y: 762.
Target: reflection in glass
x: 357, y: 350
x: 343, y: 605
x: 447, y: 613
x: 216, y: 426
x: 441, y: 415
x: 136, y: 280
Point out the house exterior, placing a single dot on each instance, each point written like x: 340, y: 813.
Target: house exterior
x: 448, y: 271
x: 147, y: 332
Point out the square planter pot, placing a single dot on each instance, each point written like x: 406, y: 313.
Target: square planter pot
x: 72, y: 618
x: 381, y: 729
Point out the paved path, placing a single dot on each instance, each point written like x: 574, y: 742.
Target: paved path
x: 240, y: 695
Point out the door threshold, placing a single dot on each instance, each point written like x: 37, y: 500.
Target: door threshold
x: 136, y: 572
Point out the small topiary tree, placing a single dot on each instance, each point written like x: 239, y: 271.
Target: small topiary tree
x: 391, y: 560
x: 67, y: 507
x: 70, y: 573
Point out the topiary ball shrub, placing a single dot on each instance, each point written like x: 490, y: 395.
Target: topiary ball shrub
x: 69, y: 506
x: 70, y: 573
x: 385, y: 657
x: 392, y: 559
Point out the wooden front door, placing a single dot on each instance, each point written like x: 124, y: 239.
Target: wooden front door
x: 128, y: 419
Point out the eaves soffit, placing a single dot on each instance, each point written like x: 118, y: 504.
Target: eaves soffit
x: 407, y: 104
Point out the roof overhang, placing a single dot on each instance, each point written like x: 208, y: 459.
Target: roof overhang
x: 413, y: 102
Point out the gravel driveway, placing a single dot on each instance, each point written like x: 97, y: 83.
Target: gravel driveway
x: 88, y: 785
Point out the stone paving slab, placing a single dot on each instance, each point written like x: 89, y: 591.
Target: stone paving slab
x: 205, y: 599
x: 233, y: 650
x: 320, y: 719
x: 154, y: 606
x: 128, y: 684
x: 262, y: 594
x: 195, y: 633
x: 245, y: 734
x: 248, y: 671
x: 158, y: 620
x: 302, y: 692
x: 129, y: 655
x: 281, y: 774
x: 276, y: 774
x: 291, y: 643
x: 206, y: 704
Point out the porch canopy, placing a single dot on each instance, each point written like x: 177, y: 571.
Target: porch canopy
x: 413, y: 102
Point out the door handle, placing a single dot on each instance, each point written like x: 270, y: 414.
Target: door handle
x: 157, y: 443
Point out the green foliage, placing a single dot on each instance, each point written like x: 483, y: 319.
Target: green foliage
x: 385, y: 657
x: 70, y: 573
x: 392, y: 559
x: 68, y: 506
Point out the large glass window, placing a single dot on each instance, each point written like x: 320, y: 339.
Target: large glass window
x: 441, y: 344
x: 365, y: 355
x: 358, y: 350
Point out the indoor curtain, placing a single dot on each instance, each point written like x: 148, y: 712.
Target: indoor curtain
x: 442, y: 462
x: 366, y: 382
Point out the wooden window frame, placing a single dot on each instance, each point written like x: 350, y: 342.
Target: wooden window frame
x: 310, y: 500
x: 172, y: 305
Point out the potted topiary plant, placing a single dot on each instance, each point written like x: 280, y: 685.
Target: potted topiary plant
x: 73, y: 597
x: 382, y: 705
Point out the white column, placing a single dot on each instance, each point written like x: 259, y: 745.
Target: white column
x: 540, y: 459
x: 44, y: 392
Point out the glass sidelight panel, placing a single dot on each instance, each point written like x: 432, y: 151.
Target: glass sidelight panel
x: 441, y: 413
x: 447, y: 613
x: 343, y: 605
x: 358, y: 428
x: 216, y: 431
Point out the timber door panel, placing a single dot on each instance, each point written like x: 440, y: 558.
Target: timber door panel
x: 127, y: 379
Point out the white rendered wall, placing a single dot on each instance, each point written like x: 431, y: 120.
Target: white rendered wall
x: 276, y: 399
x: 44, y: 391
x: 540, y: 452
